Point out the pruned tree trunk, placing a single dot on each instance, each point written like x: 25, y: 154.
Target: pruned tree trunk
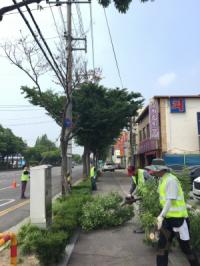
x: 86, y: 162
x: 63, y: 167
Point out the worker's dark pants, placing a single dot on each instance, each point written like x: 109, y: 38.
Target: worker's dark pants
x: 23, y: 188
x: 93, y: 183
x: 165, y: 238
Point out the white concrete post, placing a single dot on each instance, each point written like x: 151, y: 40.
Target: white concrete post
x: 40, y: 195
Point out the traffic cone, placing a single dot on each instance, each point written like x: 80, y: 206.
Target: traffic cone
x: 14, y: 184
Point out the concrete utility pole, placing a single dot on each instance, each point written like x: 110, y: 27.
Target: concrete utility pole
x: 68, y: 115
x: 68, y: 89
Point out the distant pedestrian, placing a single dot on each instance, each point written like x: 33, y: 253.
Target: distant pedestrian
x: 24, y: 180
x: 173, y: 219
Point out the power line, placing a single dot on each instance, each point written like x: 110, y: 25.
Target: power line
x: 30, y: 124
x: 113, y: 48
x: 19, y: 110
x: 62, y: 18
x: 55, y: 23
x: 21, y: 118
x: 24, y: 11
x: 37, y: 41
x: 15, y: 105
x: 45, y: 43
x: 80, y: 19
x: 92, y: 36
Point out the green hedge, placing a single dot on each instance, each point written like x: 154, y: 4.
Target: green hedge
x: 79, y: 209
x: 49, y: 245
x: 194, y: 230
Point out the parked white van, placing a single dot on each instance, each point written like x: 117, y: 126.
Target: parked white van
x: 196, y: 188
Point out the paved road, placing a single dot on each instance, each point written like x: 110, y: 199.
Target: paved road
x: 12, y: 208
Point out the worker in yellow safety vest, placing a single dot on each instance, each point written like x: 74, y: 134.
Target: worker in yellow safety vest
x: 173, y: 219
x: 93, y: 177
x: 24, y: 180
x: 137, y: 180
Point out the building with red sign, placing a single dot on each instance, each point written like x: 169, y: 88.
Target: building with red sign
x: 120, y: 152
x: 169, y: 127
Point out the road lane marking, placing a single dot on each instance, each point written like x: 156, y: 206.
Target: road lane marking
x: 8, y: 201
x: 13, y: 208
x: 8, y: 187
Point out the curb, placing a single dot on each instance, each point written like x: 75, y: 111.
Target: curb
x: 69, y: 249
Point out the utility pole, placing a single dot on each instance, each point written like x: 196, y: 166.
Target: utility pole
x: 67, y: 129
x: 69, y: 82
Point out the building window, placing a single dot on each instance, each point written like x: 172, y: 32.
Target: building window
x: 144, y: 133
x: 148, y: 132
x: 140, y: 135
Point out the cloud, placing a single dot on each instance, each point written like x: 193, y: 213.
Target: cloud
x: 166, y: 79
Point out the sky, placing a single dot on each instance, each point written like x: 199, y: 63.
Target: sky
x: 157, y: 45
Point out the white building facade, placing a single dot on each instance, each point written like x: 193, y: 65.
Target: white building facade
x: 169, y: 127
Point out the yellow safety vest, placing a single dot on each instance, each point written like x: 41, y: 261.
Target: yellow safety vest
x: 178, y: 207
x: 140, y: 178
x: 24, y: 177
x: 92, y: 171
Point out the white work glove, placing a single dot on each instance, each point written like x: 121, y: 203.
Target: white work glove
x: 128, y: 195
x: 159, y: 222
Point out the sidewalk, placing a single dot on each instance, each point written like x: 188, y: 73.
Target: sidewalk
x: 118, y: 246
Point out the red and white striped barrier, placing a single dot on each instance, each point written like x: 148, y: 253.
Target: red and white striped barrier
x: 13, y: 246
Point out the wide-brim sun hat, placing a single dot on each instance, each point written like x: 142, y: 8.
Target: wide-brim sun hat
x: 157, y: 168
x: 158, y: 164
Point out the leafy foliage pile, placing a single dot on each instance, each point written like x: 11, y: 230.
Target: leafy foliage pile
x: 149, y: 207
x: 185, y: 181
x: 105, y: 212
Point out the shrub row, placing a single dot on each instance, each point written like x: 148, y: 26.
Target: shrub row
x: 79, y: 209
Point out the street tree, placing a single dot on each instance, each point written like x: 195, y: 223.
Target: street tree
x: 102, y: 113
x: 44, y: 151
x: 99, y: 114
x: 10, y: 145
x: 44, y: 144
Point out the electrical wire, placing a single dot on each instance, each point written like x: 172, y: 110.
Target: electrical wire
x: 22, y: 118
x: 62, y: 18
x: 44, y: 41
x: 19, y: 110
x: 55, y: 24
x: 24, y: 11
x: 37, y: 41
x: 30, y: 124
x: 113, y: 48
x: 92, y: 36
x: 80, y: 20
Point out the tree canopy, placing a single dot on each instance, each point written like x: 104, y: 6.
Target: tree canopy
x: 99, y: 113
x: 44, y: 151
x: 102, y: 113
x: 121, y: 5
x: 10, y: 144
